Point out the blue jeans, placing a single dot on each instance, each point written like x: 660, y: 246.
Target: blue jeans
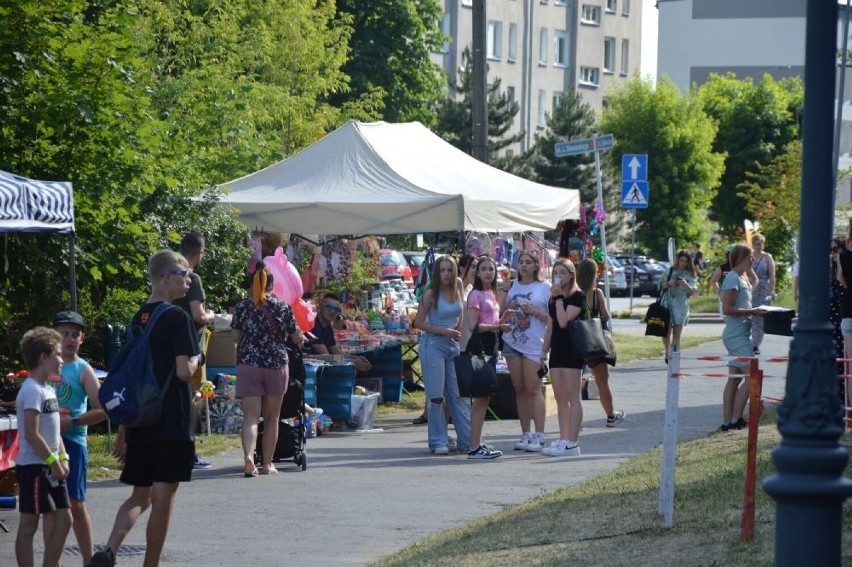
x: 439, y: 373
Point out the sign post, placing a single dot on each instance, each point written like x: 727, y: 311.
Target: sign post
x: 634, y: 195
x: 594, y: 144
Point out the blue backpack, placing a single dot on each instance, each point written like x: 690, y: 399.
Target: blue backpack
x: 130, y: 394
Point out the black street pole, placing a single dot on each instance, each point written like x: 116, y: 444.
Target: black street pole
x: 479, y: 73
x: 809, y: 488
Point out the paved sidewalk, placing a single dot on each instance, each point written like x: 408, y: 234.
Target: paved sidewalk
x: 365, y: 495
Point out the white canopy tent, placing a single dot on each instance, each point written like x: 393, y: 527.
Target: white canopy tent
x: 27, y: 205
x: 381, y: 178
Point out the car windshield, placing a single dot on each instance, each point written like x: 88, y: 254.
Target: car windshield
x: 416, y: 260
x: 392, y: 259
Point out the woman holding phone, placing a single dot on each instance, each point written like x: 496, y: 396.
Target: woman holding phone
x: 679, y: 287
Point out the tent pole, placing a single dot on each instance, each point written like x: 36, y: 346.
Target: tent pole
x: 72, y: 263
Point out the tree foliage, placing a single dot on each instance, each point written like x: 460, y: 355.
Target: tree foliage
x: 455, y: 122
x: 683, y: 170
x: 755, y: 124
x: 390, y: 60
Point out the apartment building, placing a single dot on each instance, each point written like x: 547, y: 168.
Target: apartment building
x: 542, y: 48
x: 749, y: 38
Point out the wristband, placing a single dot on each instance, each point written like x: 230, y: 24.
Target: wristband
x: 64, y: 457
x: 52, y: 458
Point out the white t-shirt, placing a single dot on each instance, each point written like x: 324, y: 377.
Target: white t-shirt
x: 527, y: 334
x: 34, y: 396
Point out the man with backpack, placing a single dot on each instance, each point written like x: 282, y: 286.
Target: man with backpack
x: 160, y: 456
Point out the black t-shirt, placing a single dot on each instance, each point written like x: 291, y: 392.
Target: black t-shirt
x: 195, y: 293
x: 846, y: 269
x: 324, y: 335
x: 173, y: 335
x: 559, y: 336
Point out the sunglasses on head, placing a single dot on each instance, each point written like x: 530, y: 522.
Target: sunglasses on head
x: 332, y: 308
x: 179, y: 272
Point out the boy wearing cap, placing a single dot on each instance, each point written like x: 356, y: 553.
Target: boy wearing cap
x: 42, y: 463
x: 78, y: 387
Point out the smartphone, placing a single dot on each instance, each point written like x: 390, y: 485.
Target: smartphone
x: 542, y: 372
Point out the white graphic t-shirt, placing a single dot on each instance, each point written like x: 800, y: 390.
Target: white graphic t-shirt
x: 527, y: 334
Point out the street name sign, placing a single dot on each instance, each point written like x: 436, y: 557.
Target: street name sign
x: 584, y: 146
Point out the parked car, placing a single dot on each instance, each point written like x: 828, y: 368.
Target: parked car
x: 394, y: 266
x: 414, y: 260
x: 617, y: 277
x: 640, y: 270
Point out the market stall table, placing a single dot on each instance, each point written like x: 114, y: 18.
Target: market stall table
x: 8, y: 453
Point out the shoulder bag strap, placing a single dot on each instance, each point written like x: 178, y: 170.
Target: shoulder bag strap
x: 149, y: 328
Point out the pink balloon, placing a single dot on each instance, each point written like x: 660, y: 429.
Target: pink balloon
x: 286, y: 284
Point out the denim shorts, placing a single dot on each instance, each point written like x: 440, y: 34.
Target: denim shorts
x: 509, y: 352
x: 846, y: 327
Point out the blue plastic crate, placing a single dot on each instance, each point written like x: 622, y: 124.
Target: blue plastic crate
x: 334, y: 385
x: 311, y: 384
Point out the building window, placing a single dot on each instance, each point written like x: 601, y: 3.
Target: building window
x: 625, y: 7
x: 625, y: 56
x: 495, y: 40
x: 542, y: 47
x: 542, y: 100
x: 609, y: 55
x: 590, y: 76
x: 560, y: 48
x: 611, y: 6
x: 556, y: 96
x: 561, y: 2
x: 513, y: 42
x: 510, y: 94
x: 467, y: 2
x: 445, y: 29
x: 591, y: 15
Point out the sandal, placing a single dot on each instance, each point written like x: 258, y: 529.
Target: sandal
x: 268, y: 470
x: 420, y: 420
x: 250, y: 470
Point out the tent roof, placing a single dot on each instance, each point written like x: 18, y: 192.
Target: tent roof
x: 27, y: 205
x: 382, y: 178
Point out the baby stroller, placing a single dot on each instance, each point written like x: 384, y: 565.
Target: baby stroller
x: 292, y: 431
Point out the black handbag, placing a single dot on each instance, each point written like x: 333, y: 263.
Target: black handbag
x: 476, y: 374
x: 587, y: 338
x: 658, y: 317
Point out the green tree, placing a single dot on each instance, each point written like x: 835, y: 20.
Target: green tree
x: 455, y: 123
x: 389, y: 57
x: 683, y: 170
x: 772, y: 196
x: 572, y: 119
x: 755, y: 124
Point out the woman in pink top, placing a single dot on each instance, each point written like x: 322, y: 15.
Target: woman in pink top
x: 483, y: 309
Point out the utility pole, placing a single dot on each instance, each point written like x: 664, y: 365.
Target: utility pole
x: 480, y: 83
x: 809, y: 488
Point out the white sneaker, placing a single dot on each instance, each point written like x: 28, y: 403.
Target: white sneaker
x: 536, y: 444
x: 546, y: 450
x: 452, y: 445
x: 565, y: 449
x: 440, y: 451
x: 523, y: 442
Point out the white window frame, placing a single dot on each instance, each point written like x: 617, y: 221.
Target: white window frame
x: 611, y: 6
x: 590, y: 76
x: 494, y: 48
x: 467, y: 2
x: 541, y: 121
x: 510, y: 94
x: 561, y: 57
x: 625, y: 7
x: 561, y: 2
x: 625, y: 57
x: 542, y: 46
x: 555, y: 100
x: 445, y: 29
x: 609, y: 55
x: 591, y: 15
x: 513, y: 42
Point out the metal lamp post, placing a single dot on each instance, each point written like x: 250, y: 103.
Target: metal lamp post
x: 809, y: 487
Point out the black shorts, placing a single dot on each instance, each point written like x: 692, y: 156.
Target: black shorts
x: 37, y: 496
x: 147, y: 463
x: 562, y: 358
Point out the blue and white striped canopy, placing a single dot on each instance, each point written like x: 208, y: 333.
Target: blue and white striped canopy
x: 27, y: 205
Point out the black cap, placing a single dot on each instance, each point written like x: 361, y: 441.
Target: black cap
x: 68, y: 317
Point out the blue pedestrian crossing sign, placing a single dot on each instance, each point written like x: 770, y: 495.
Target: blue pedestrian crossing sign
x: 634, y: 194
x: 634, y: 181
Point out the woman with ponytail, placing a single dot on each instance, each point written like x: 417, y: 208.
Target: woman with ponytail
x: 264, y: 323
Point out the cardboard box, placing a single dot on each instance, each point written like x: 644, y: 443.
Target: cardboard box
x: 222, y: 349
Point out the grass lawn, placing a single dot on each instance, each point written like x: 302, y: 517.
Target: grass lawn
x: 612, y: 519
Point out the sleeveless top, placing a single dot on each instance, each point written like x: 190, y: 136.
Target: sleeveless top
x: 71, y: 395
x: 444, y: 313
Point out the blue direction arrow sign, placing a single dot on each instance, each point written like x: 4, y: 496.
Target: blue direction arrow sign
x: 634, y: 194
x: 583, y: 146
x: 634, y: 167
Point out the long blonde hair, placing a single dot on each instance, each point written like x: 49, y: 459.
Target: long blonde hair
x: 435, y: 284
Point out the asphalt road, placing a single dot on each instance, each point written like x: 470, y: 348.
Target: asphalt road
x: 365, y: 495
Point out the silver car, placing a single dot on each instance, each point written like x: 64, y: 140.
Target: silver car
x: 617, y: 277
